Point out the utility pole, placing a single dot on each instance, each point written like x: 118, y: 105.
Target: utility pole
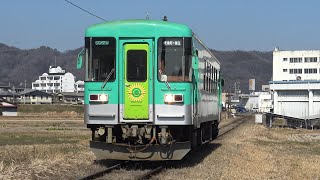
x: 237, y: 87
x: 14, y: 90
x: 229, y: 103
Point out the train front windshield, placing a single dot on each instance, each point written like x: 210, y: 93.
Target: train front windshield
x: 174, y: 59
x: 102, y: 58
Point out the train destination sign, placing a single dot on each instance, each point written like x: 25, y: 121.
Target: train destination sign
x: 172, y: 43
x: 101, y: 43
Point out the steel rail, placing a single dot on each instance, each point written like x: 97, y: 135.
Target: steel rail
x: 236, y: 120
x: 232, y: 126
x: 101, y: 173
x: 150, y: 173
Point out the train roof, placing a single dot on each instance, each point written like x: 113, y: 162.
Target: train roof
x: 138, y: 28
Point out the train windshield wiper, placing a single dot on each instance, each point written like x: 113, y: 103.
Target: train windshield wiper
x: 165, y: 79
x: 107, y: 78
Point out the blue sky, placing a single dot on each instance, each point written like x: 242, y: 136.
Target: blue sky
x: 222, y: 25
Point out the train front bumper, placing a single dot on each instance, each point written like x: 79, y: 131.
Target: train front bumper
x: 116, y: 151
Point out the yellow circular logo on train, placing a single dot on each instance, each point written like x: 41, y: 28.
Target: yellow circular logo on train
x: 136, y: 92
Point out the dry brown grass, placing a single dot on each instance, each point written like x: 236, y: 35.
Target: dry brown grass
x: 51, y: 115
x: 226, y: 119
x: 44, y: 150
x: 251, y: 152
x: 64, y: 161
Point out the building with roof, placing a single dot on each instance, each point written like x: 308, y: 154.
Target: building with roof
x: 295, y: 84
x: 55, y: 81
x: 69, y: 98
x: 33, y: 96
x: 9, y: 96
x: 5, y: 88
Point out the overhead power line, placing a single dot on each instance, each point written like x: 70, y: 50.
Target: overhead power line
x: 84, y: 10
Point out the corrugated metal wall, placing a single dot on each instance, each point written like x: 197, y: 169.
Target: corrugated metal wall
x: 295, y: 103
x: 294, y: 109
x: 293, y: 95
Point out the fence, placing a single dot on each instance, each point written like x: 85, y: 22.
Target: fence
x: 286, y: 121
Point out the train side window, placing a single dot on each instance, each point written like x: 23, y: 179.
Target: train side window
x: 212, y: 87
x: 209, y: 83
x: 204, y: 82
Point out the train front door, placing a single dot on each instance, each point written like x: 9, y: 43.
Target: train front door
x: 136, y: 81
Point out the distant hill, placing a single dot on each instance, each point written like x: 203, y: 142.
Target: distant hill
x: 240, y: 66
x: 18, y: 65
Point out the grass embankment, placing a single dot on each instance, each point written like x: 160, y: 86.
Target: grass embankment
x: 58, y: 111
x: 27, y: 108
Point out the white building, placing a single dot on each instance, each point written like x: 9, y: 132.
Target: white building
x: 79, y: 86
x: 296, y: 83
x: 258, y: 101
x: 57, y: 80
x: 296, y: 65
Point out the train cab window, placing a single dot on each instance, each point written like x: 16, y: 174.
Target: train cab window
x: 174, y: 59
x: 102, y: 58
x: 137, y: 66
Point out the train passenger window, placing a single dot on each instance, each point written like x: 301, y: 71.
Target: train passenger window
x: 136, y: 66
x: 204, y: 82
x: 102, y: 58
x: 212, y: 72
x: 174, y: 59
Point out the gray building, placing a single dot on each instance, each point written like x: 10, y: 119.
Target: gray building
x: 296, y: 84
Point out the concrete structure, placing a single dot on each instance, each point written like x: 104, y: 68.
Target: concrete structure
x: 296, y: 65
x: 57, y: 80
x: 296, y: 83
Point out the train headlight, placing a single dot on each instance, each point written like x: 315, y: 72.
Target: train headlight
x: 99, y: 97
x: 168, y: 98
x: 103, y: 97
x: 173, y: 98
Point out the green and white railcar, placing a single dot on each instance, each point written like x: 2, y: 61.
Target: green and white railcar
x: 152, y: 90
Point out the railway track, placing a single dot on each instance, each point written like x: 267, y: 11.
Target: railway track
x: 227, y: 128
x: 146, y: 175
x: 101, y: 173
x: 222, y: 131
